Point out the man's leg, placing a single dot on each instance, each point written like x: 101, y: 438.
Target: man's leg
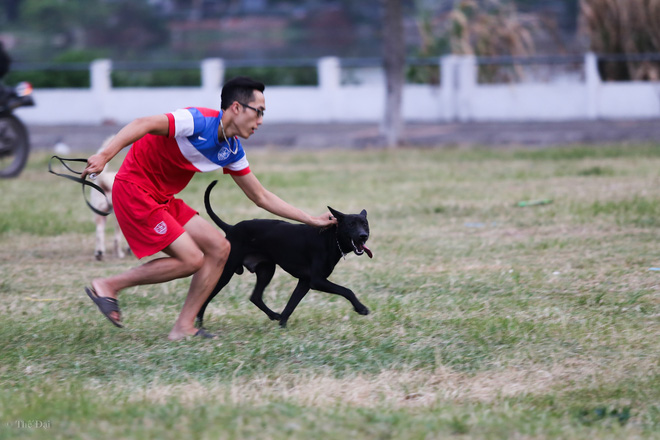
x: 215, y: 248
x: 185, y: 258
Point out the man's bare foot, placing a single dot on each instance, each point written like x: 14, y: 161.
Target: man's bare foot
x: 103, y: 290
x: 178, y: 334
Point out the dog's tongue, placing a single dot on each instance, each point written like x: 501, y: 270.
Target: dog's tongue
x: 367, y: 250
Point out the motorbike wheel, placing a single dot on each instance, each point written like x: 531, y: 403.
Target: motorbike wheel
x: 14, y: 146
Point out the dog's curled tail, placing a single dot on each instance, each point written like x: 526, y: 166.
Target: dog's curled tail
x: 207, y: 202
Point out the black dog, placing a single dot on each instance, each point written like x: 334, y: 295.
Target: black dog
x: 303, y: 251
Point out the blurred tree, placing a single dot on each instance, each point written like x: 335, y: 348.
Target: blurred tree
x: 130, y: 29
x: 433, y: 42
x: 62, y: 20
x: 126, y: 27
x: 53, y: 78
x: 11, y: 9
x: 624, y: 27
x: 490, y: 28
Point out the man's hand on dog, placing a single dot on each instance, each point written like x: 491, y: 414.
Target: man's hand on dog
x: 323, y: 221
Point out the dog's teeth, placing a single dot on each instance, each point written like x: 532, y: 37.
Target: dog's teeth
x: 361, y: 249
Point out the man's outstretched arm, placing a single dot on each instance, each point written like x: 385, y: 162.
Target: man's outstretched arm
x: 265, y: 199
x: 156, y: 124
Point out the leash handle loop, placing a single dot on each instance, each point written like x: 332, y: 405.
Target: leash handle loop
x: 84, y: 182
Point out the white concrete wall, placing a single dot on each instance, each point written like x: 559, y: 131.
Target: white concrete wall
x: 628, y: 100
x: 528, y: 102
x: 459, y: 98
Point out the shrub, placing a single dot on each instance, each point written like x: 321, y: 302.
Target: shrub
x: 624, y: 27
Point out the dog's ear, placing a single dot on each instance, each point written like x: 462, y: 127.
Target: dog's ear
x: 364, y: 213
x: 338, y: 215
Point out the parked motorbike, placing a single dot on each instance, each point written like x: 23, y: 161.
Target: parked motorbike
x: 14, y: 139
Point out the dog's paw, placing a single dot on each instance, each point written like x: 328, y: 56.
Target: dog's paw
x: 282, y: 323
x: 275, y: 317
x: 362, y: 310
x: 99, y: 255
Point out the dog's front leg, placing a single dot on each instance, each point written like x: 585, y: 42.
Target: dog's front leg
x: 328, y: 286
x: 99, y: 248
x: 298, y: 294
x: 118, y: 241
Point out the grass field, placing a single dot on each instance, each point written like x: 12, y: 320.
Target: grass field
x: 489, y: 321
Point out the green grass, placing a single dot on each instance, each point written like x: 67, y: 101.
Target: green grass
x: 488, y: 320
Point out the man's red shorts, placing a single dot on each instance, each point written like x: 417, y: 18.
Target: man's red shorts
x: 148, y: 225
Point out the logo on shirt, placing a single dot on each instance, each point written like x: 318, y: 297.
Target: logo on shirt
x: 224, y: 153
x: 161, y: 228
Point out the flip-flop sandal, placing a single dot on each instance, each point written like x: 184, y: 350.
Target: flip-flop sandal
x: 106, y: 305
x: 202, y: 333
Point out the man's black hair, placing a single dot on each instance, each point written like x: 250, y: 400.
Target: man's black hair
x: 239, y: 89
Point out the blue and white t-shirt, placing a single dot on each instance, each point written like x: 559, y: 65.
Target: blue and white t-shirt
x: 164, y: 165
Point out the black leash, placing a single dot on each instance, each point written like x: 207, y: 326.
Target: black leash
x: 78, y: 180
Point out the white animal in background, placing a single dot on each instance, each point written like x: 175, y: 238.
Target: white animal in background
x: 105, y: 180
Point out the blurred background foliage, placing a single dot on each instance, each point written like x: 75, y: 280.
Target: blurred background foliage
x: 63, y: 36
x: 624, y: 27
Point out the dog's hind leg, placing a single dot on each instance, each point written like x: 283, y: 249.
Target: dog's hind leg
x: 264, y: 272
x: 327, y: 286
x: 298, y: 294
x: 227, y: 273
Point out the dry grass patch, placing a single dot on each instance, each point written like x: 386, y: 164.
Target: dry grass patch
x: 395, y: 389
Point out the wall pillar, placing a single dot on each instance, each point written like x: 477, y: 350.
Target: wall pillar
x: 100, y: 80
x: 466, y: 77
x: 593, y: 82
x: 213, y: 74
x: 448, y: 86
x: 329, y: 73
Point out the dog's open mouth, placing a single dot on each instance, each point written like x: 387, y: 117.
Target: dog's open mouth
x: 361, y: 248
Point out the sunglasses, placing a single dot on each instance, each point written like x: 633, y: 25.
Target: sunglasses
x: 260, y: 113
